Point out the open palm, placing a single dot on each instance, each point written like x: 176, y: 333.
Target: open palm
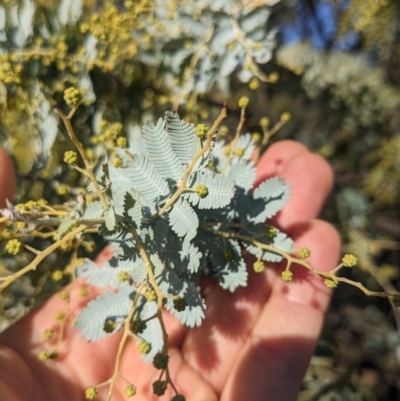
x: 254, y: 344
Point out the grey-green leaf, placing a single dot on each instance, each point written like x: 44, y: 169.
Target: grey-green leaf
x: 183, y: 220
x: 109, y: 305
x: 160, y: 151
x: 182, y: 136
x: 220, y: 190
x: 146, y: 179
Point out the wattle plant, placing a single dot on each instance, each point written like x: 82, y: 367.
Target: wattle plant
x: 175, y: 205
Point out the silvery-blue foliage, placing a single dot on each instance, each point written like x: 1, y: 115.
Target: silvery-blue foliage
x: 184, y: 239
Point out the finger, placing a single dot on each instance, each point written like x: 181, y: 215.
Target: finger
x: 309, y: 176
x: 276, y: 158
x: 231, y: 317
x: 276, y: 354
x: 7, y: 178
x: 311, y: 180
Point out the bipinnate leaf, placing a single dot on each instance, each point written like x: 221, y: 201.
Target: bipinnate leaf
x: 274, y: 193
x: 152, y: 334
x: 279, y: 240
x: 243, y: 174
x: 220, y: 190
x: 93, y: 211
x: 145, y: 178
x: 108, y: 275
x: 133, y: 208
x: 182, y: 137
x: 170, y: 283
x: 183, y: 219
x: 110, y: 219
x: 66, y: 226
x: 110, y: 305
x: 228, y: 265
x: 160, y: 151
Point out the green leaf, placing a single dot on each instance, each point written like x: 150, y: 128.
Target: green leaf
x: 160, y: 151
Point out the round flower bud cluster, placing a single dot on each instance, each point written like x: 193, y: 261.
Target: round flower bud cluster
x: 144, y: 347
x: 330, y: 283
x: 286, y: 116
x: 180, y: 304
x: 256, y: 137
x: 138, y: 326
x: 258, y: 266
x: 117, y: 162
x: 243, y: 102
x: 63, y: 189
x: 70, y: 157
x: 270, y: 232
x: 83, y: 292
x: 72, y: 96
x: 122, y: 142
x: 254, y: 84
x: 223, y: 130
x: 160, y: 361
x: 57, y: 275
x: 91, y: 393
x: 178, y: 397
x: 304, y: 253
x: 130, y: 390
x: 287, y: 276
x: 264, y: 121
x: 14, y: 247
x: 43, y: 356
x: 48, y: 333
x: 201, y: 131
x: 150, y: 295
x: 239, y: 152
x: 349, y: 260
x: 201, y: 190
x: 123, y: 276
x: 159, y: 387
x: 273, y: 77
x: 64, y: 295
x: 109, y: 326
x: 60, y: 316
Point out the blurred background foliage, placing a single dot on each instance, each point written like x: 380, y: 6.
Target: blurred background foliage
x: 333, y: 64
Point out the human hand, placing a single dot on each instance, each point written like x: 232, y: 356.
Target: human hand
x: 254, y: 344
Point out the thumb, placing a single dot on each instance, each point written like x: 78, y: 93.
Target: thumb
x: 7, y: 178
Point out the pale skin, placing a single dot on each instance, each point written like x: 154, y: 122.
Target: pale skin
x: 254, y: 345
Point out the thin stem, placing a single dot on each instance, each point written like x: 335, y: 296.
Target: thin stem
x: 235, y: 139
x: 293, y: 260
x: 6, y: 281
x: 182, y: 187
x: 247, y: 47
x: 89, y: 167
